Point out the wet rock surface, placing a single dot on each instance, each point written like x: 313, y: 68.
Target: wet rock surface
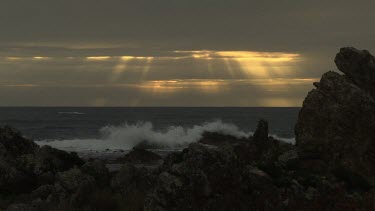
x: 330, y: 168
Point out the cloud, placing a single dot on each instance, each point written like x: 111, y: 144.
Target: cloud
x: 123, y: 52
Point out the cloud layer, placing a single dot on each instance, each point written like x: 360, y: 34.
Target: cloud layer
x: 173, y: 53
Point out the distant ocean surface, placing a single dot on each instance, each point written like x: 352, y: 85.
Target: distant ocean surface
x: 109, y: 128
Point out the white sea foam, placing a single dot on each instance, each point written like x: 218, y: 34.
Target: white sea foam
x: 127, y: 136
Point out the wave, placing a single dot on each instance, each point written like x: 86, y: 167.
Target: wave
x: 127, y: 136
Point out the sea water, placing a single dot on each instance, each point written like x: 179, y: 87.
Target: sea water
x: 84, y: 129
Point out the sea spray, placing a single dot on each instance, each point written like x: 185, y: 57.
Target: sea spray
x: 126, y: 136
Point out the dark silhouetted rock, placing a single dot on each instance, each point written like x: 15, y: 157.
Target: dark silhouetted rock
x: 24, y: 166
x: 359, y: 66
x: 216, y: 139
x: 98, y: 171
x: 337, y: 120
x: 141, y: 156
x: 51, y: 159
x: 261, y: 133
x: 12, y: 144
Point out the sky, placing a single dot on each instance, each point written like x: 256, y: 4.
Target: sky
x: 173, y: 52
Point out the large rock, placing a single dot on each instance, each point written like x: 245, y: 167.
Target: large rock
x: 337, y: 120
x: 75, y: 186
x: 261, y: 133
x: 12, y: 144
x: 359, y: 66
x: 48, y: 159
x: 24, y: 166
x: 98, y: 171
x: 205, y: 177
x: 15, y: 177
x: 140, y: 156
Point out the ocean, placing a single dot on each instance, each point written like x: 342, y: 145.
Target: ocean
x: 87, y: 129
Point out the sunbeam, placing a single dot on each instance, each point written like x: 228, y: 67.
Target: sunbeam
x: 146, y: 67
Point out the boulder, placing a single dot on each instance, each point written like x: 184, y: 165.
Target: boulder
x: 359, y: 66
x: 261, y: 133
x: 217, y: 139
x: 337, y: 120
x: 74, y: 187
x: 54, y: 160
x: 12, y: 144
x: 16, y: 175
x: 98, y: 171
x: 140, y: 156
x: 131, y: 178
x: 199, y: 177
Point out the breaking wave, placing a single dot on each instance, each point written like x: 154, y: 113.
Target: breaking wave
x: 126, y: 136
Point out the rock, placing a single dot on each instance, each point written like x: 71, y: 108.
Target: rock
x: 288, y: 157
x: 14, y: 180
x: 255, y: 179
x: 98, y: 171
x: 125, y: 177
x: 12, y: 144
x: 15, y: 177
x: 196, y: 178
x: 216, y: 139
x: 21, y: 207
x: 72, y: 179
x: 261, y: 140
x: 133, y: 184
x: 148, y: 145
x: 140, y: 156
x: 261, y: 133
x: 75, y: 187
x: 359, y: 66
x: 43, y: 192
x: 131, y: 178
x: 337, y: 120
x: 24, y: 165
x: 48, y: 159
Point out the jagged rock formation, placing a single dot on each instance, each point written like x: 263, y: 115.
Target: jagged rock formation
x: 261, y: 133
x: 359, y: 66
x: 24, y: 165
x: 337, y: 120
x: 139, y: 155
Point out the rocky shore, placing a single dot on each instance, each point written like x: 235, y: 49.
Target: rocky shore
x: 331, y: 167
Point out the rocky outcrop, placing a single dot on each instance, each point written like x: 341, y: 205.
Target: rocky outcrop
x: 220, y: 177
x: 261, y: 133
x: 359, y: 66
x: 337, y: 121
x: 140, y: 156
x: 24, y: 166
